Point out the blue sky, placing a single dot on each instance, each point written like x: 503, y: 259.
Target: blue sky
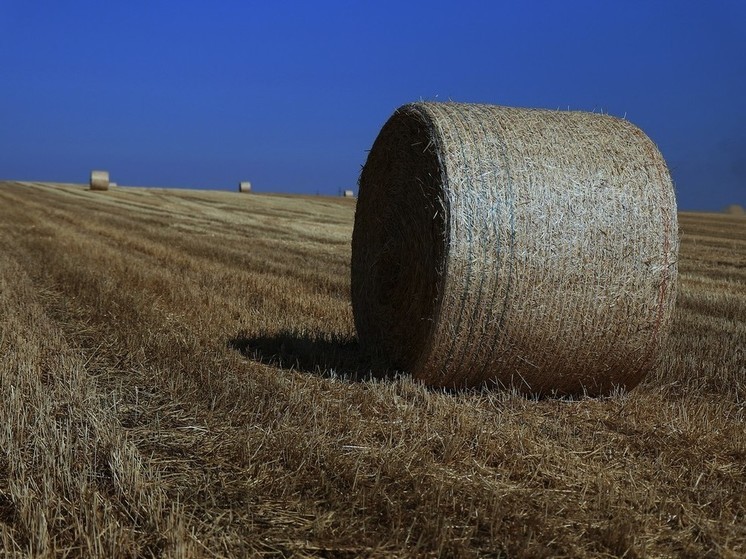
x: 290, y: 95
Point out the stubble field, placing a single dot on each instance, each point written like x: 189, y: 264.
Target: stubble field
x: 179, y: 377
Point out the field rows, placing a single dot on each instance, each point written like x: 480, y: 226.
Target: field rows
x: 179, y: 376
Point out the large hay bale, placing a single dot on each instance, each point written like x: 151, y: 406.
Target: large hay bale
x: 99, y: 180
x: 244, y: 186
x: 526, y: 248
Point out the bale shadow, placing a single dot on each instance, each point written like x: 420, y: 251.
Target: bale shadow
x: 331, y: 357
x: 342, y: 358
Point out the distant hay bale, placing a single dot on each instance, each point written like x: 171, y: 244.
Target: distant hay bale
x: 244, y: 186
x: 99, y: 180
x: 735, y: 209
x: 349, y: 194
x: 514, y: 247
x: 113, y: 184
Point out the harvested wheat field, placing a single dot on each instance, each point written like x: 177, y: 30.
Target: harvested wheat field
x: 179, y: 376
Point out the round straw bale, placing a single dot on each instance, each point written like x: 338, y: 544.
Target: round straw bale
x: 735, y: 209
x: 244, y: 186
x: 99, y: 180
x: 514, y: 247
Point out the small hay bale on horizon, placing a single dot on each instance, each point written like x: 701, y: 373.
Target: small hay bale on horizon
x: 523, y: 248
x: 735, y: 209
x: 348, y: 194
x: 99, y: 180
x: 244, y: 186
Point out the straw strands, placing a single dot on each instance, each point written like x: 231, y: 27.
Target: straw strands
x: 514, y: 247
x: 99, y: 180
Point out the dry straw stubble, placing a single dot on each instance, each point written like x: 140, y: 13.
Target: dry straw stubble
x: 527, y: 248
x: 99, y: 180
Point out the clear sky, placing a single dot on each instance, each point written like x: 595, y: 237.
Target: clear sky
x: 290, y: 95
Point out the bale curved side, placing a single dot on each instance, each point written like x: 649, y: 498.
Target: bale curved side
x: 526, y: 248
x: 99, y: 180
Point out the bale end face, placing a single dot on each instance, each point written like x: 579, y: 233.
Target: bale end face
x: 399, y: 245
x: 244, y: 186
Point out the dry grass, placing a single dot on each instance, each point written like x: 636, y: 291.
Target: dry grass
x: 179, y: 376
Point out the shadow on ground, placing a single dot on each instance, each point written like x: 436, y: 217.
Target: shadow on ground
x: 330, y: 357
